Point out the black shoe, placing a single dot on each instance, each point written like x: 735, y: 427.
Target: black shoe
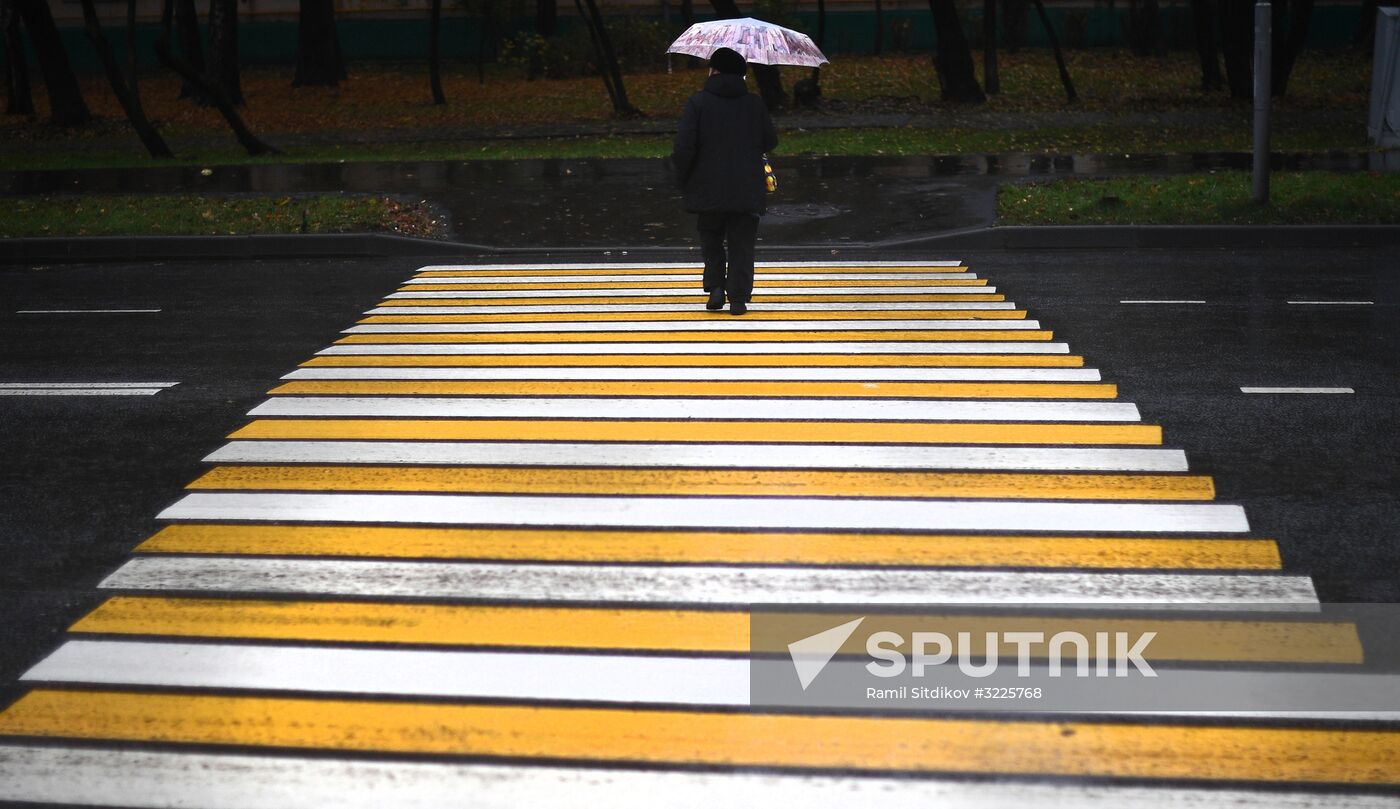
x: 716, y: 300
x: 737, y: 308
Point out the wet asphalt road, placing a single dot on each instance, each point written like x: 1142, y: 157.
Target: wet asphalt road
x: 82, y: 477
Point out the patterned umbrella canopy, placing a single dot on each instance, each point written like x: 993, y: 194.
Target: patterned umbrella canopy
x: 756, y: 40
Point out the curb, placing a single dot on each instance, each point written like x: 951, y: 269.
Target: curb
x: 362, y: 245
x: 1157, y: 237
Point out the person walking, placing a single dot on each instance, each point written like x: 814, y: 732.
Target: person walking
x: 718, y: 155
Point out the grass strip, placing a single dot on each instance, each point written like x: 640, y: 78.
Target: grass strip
x: 1224, y: 198
x: 191, y: 215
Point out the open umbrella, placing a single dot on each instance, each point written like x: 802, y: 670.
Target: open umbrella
x: 755, y: 40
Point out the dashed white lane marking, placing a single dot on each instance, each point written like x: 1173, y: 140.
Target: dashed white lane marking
x: 715, y: 324
x: 87, y: 311
x: 88, y: 385
x: 84, y: 388
x: 1161, y: 301
x: 656, y: 584
x: 775, y: 513
x: 1299, y: 390
x: 680, y: 265
x: 690, y: 277
x: 759, y: 294
x: 79, y: 391
x: 1332, y: 303
x: 167, y: 780
x: 644, y: 408
x: 931, y: 347
x: 622, y: 307
x: 612, y: 678
x: 717, y: 456
x: 715, y: 374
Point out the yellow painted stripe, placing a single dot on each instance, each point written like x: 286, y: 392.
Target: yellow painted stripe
x: 903, y: 390
x: 705, y: 315
x: 729, y: 547
x: 643, y: 270
x: 712, y: 632
x: 1148, y: 751
x: 622, y: 335
x: 735, y: 483
x: 696, y: 299
x: 470, y: 285
x: 849, y: 432
x: 707, y: 360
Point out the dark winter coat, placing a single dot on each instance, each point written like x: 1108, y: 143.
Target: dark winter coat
x: 719, y: 149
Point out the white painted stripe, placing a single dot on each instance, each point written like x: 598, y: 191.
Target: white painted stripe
x: 739, y: 456
x: 716, y: 324
x: 758, y: 293
x: 692, y: 277
x: 79, y: 391
x: 95, y: 311
x: 779, y: 513
x: 654, y: 584
x: 718, y: 373
x: 1332, y: 303
x: 680, y: 265
x: 87, y: 385
x: 697, y: 347
x: 1161, y: 301
x: 645, y: 408
x: 178, y: 780
x: 833, y: 306
x: 589, y: 677
x: 617, y: 678
x: 632, y: 679
x: 1298, y: 390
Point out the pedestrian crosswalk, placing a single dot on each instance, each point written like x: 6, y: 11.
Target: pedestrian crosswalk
x: 498, y: 545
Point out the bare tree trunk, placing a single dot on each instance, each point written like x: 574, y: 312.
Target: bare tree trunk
x: 130, y: 102
x: 1203, y: 18
x: 1237, y: 46
x: 487, y: 31
x: 1145, y: 35
x: 435, y: 51
x: 770, y: 83
x: 66, y: 105
x: 246, y: 138
x: 688, y: 12
x: 546, y: 18
x: 191, y: 50
x: 879, y: 27
x: 223, y: 49
x: 1365, y: 36
x: 319, y: 62
x: 821, y: 23
x: 133, y: 63
x: 1014, y: 16
x: 1299, y: 14
x: 957, y: 78
x: 770, y: 86
x: 991, y: 79
x: 624, y: 107
x: 19, y: 98
x: 1072, y: 96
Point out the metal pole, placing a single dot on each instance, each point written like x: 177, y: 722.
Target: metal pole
x: 1263, y: 90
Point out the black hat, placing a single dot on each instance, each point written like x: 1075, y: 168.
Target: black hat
x: 728, y: 61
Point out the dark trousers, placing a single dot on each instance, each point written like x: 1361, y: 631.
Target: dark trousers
x: 726, y: 242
